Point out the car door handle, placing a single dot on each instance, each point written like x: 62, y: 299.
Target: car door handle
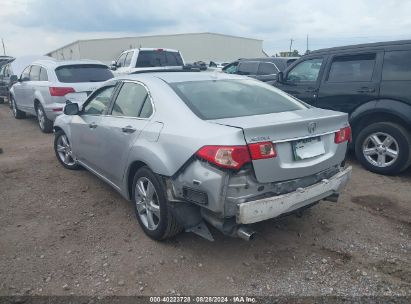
x: 366, y: 90
x: 311, y: 90
x: 93, y: 125
x: 128, y: 129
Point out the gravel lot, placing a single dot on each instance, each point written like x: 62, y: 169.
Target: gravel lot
x: 66, y: 232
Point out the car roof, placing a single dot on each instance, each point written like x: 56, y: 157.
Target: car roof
x: 360, y: 46
x: 57, y: 63
x: 172, y: 77
x: 152, y: 49
x: 269, y: 59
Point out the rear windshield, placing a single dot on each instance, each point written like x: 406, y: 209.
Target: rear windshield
x: 83, y: 73
x: 158, y: 58
x: 215, y: 99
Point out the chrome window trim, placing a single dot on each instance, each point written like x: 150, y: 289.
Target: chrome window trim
x: 149, y: 95
x: 303, y: 137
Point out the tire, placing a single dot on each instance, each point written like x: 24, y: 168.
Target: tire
x: 163, y: 223
x: 16, y: 112
x: 45, y: 124
x: 62, y: 148
x: 376, y: 156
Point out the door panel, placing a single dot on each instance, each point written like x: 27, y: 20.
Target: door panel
x: 396, y: 75
x: 303, y: 80
x: 351, y: 80
x: 119, y: 135
x: 88, y: 133
x: 20, y: 89
x: 123, y: 127
x: 87, y: 136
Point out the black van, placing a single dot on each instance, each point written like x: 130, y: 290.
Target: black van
x: 371, y: 82
x: 264, y: 69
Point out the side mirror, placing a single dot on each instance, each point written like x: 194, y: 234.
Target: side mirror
x: 113, y: 65
x: 71, y: 109
x: 280, y: 77
x: 14, y: 78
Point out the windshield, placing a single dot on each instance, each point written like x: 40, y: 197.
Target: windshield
x: 158, y: 58
x: 215, y: 99
x: 83, y: 73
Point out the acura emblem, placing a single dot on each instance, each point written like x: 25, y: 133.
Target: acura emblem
x: 311, y: 127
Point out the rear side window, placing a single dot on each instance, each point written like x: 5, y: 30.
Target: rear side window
x: 43, y: 74
x: 247, y: 68
x: 352, y: 68
x: 158, y: 58
x: 234, y: 98
x: 83, y: 73
x: 280, y: 63
x: 397, y: 65
x: 130, y: 100
x: 35, y: 73
x: 266, y: 68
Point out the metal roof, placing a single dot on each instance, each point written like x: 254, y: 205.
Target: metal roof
x: 359, y: 46
x: 151, y: 36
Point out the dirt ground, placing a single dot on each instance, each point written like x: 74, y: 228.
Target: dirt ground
x: 66, y: 232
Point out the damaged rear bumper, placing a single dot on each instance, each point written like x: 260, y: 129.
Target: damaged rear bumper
x: 263, y: 209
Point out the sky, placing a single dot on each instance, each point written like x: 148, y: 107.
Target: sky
x: 38, y: 26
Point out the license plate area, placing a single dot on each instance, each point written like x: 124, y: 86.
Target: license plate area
x: 307, y: 148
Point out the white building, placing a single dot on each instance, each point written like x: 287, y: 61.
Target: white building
x: 194, y: 47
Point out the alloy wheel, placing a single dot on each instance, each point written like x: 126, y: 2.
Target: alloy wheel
x: 14, y: 107
x: 147, y: 203
x: 64, y: 151
x: 380, y: 149
x: 41, y: 117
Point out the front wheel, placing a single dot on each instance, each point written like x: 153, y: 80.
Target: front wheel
x: 16, y: 112
x: 62, y: 148
x: 45, y: 124
x: 384, y: 148
x: 151, y: 206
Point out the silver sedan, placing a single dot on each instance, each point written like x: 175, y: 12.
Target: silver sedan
x: 194, y: 149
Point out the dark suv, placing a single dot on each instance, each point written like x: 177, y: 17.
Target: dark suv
x: 371, y: 82
x: 264, y: 69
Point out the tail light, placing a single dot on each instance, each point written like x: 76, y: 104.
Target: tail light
x: 234, y: 157
x: 343, y: 135
x: 231, y: 157
x: 262, y: 150
x: 60, y: 91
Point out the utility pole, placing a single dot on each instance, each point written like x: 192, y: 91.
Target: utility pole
x: 4, y: 48
x: 307, y: 45
x: 291, y: 44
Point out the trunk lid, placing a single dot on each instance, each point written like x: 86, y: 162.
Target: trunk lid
x: 303, y: 140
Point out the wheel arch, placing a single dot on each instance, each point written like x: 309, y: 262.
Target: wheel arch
x: 131, y: 171
x: 380, y: 111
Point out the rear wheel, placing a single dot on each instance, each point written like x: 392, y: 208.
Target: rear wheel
x: 45, y: 124
x: 384, y: 148
x: 16, y: 112
x: 151, y: 206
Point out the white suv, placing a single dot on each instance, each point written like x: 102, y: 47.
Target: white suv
x: 44, y: 87
x: 145, y: 59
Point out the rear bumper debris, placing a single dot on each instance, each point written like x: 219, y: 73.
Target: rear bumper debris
x: 271, y: 207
